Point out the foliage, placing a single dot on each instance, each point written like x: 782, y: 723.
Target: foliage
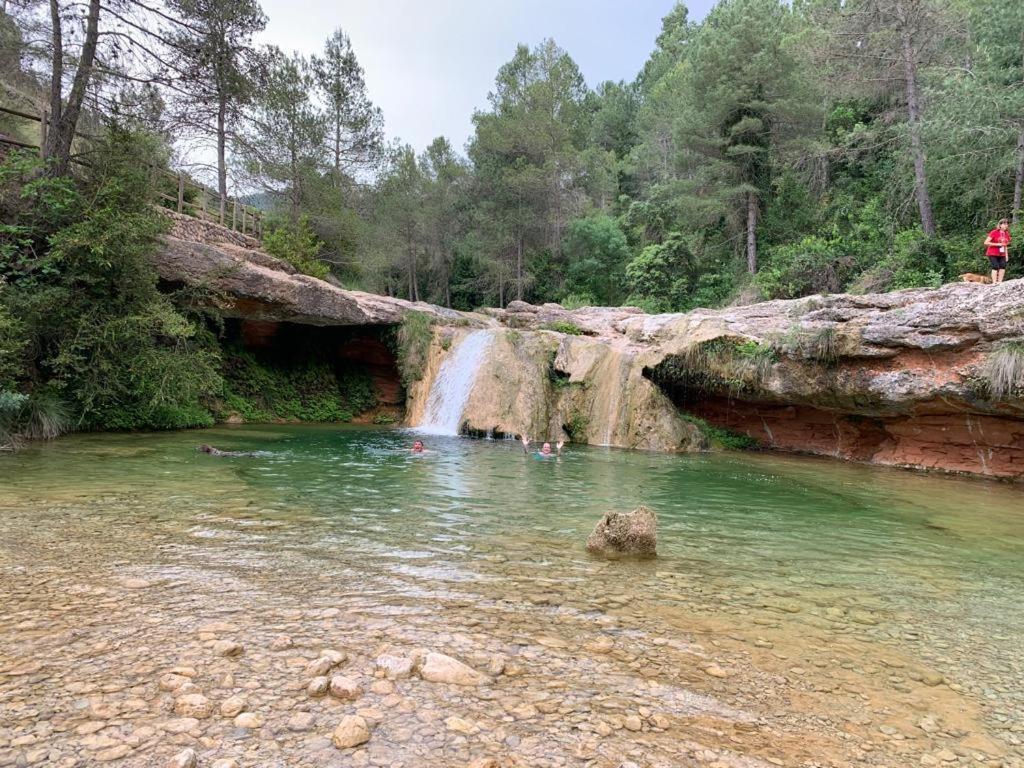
x: 1004, y: 370
x: 412, y: 345
x: 596, y: 252
x: 82, y: 293
x: 720, y: 437
x: 564, y: 326
x: 306, y: 388
x: 297, y: 244
x: 578, y: 301
x: 577, y: 425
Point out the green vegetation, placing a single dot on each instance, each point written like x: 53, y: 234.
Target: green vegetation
x: 577, y: 426
x: 84, y: 332
x: 723, y: 365
x: 821, y: 345
x: 564, y: 326
x: 1004, y: 370
x: 719, y: 437
x: 412, y: 345
x: 297, y: 244
x: 293, y: 388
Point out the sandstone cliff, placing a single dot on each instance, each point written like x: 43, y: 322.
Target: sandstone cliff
x: 903, y: 378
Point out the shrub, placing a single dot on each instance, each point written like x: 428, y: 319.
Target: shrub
x: 814, y: 265
x: 576, y: 427
x: 659, y: 274
x: 720, y: 437
x: 723, y: 364
x: 260, y: 389
x: 82, y: 291
x: 299, y: 245
x: 40, y: 416
x: 1004, y: 370
x: 578, y: 301
x: 412, y: 345
x: 563, y: 326
x: 596, y: 252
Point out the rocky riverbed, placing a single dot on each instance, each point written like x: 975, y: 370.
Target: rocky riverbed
x: 233, y: 624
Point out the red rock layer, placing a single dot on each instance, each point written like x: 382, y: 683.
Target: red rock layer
x: 949, y: 442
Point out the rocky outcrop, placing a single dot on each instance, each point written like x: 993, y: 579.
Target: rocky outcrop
x: 625, y: 533
x: 900, y: 379
x: 550, y: 385
x: 248, y: 283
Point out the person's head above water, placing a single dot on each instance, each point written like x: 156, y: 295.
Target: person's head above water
x: 204, y: 448
x: 417, y: 446
x: 545, y: 448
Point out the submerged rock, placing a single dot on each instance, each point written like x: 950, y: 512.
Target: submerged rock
x: 438, y: 668
x: 626, y: 533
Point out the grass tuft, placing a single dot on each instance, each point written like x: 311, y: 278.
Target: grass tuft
x: 1004, y: 370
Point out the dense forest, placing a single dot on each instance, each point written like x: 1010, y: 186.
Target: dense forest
x: 771, y: 150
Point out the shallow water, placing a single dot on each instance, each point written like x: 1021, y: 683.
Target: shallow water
x: 800, y: 612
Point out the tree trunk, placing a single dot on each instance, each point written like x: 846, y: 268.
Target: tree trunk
x: 222, y: 168
x: 924, y: 203
x: 62, y: 132
x: 519, y: 268
x: 751, y: 233
x: 56, y: 77
x: 1018, y: 184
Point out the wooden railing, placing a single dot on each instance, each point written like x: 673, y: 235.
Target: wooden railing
x: 192, y: 199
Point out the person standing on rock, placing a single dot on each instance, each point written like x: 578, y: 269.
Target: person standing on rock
x: 998, y: 250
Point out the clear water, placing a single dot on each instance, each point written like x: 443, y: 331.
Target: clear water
x: 453, y: 385
x: 858, y: 615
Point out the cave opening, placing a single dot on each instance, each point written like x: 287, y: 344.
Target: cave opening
x: 289, y: 371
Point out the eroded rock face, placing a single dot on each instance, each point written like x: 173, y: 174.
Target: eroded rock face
x: 896, y: 378
x: 253, y: 285
x: 625, y: 533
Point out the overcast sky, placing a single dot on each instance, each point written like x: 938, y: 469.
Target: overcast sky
x: 430, y: 63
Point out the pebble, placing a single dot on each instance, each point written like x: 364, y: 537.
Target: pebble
x: 184, y: 759
x: 232, y: 706
x: 227, y: 648
x: 248, y: 720
x: 193, y: 705
x: 351, y: 732
x: 302, y: 721
x: 438, y: 668
x: 318, y: 686
x: 345, y: 688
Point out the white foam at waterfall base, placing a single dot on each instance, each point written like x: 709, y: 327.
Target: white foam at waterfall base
x: 453, y: 385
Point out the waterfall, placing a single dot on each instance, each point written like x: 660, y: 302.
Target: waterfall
x: 618, y: 380
x: 453, y: 384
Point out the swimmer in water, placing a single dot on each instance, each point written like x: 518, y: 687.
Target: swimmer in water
x: 204, y: 448
x: 417, y: 447
x: 545, y: 448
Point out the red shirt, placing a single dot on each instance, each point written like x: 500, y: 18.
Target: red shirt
x: 998, y: 236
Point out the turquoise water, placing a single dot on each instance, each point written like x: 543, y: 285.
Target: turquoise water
x: 868, y: 582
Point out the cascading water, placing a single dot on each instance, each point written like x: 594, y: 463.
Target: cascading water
x: 453, y: 385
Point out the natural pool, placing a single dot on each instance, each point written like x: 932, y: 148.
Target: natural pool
x: 801, y: 613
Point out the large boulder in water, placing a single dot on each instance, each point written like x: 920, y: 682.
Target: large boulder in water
x: 626, y: 533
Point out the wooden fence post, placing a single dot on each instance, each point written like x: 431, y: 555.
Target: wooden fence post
x: 43, y: 126
x: 181, y: 194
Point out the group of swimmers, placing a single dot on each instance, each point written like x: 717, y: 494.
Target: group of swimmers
x: 545, y: 450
